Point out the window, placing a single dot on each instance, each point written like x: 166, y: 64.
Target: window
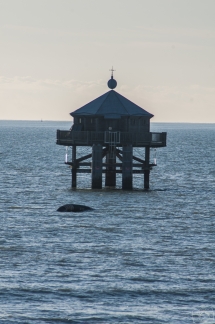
x: 79, y: 120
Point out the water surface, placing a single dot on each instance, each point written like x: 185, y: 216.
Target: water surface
x: 138, y: 257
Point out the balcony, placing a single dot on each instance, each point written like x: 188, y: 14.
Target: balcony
x: 88, y: 138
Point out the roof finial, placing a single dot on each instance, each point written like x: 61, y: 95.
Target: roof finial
x: 112, y: 83
x: 112, y: 70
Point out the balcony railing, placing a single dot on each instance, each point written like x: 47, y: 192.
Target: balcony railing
x: 88, y: 138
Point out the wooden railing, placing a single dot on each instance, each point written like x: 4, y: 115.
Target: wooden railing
x: 88, y: 138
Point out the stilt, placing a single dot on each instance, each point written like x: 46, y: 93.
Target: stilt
x: 74, y: 168
x: 110, y: 176
x: 127, y: 167
x: 147, y: 171
x: 96, y: 166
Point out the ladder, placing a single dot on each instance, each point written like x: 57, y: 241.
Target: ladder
x: 112, y: 138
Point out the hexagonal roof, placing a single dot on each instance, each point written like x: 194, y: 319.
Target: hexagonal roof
x: 111, y: 105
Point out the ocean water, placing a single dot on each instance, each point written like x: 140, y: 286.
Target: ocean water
x: 138, y: 257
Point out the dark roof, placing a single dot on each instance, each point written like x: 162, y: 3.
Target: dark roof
x: 111, y: 105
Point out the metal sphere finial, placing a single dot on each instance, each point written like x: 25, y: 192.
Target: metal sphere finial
x: 112, y: 82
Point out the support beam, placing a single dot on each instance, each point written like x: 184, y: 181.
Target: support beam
x: 97, y: 166
x: 127, y: 167
x: 74, y: 168
x: 88, y: 156
x: 147, y: 172
x: 118, y: 155
x: 84, y: 158
x: 133, y: 157
x: 138, y: 159
x: 83, y: 170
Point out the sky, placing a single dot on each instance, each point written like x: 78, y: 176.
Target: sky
x: 56, y: 56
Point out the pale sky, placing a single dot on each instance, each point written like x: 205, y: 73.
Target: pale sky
x: 56, y: 55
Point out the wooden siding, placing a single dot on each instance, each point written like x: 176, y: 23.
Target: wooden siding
x: 123, y: 124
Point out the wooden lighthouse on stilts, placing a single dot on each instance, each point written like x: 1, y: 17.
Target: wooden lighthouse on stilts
x: 112, y: 125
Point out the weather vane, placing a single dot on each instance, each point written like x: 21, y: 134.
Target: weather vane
x: 112, y: 71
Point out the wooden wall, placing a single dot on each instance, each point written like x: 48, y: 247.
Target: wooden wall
x: 124, y: 124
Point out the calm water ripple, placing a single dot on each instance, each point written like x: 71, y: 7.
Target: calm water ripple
x: 138, y: 257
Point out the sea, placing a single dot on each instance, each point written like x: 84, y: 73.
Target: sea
x: 140, y: 256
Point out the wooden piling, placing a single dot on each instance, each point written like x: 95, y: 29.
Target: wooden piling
x: 147, y: 170
x: 96, y: 166
x: 127, y: 167
x: 110, y: 175
x: 74, y: 168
